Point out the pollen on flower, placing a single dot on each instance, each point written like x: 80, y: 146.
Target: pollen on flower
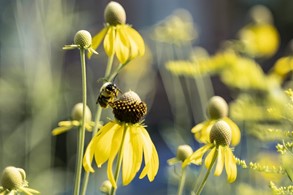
x: 114, y: 14
x: 221, y: 133
x: 83, y: 38
x: 129, y: 108
x: 217, y: 107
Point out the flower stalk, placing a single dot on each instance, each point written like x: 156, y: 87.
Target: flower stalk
x: 199, y: 190
x: 81, y: 135
x: 182, y: 181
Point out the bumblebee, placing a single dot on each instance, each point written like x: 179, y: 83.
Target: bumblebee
x: 108, y: 92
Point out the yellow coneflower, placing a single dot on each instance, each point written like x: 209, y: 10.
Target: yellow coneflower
x: 220, y: 139
x: 126, y: 139
x: 217, y: 110
x: 120, y: 39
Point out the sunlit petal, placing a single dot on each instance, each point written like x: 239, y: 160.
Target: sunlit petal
x: 220, y: 162
x: 196, y: 157
x: 122, y: 45
x: 136, y: 146
x: 104, y: 142
x: 202, y: 132
x: 97, y: 39
x: 127, y: 164
x: 210, y: 156
x: 136, y: 37
x: 116, y: 143
x: 154, y: 164
x: 60, y: 130
x: 89, y: 155
x: 230, y: 165
x: 150, y: 156
x: 236, y: 134
x: 110, y: 41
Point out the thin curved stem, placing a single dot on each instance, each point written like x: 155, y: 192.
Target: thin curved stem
x: 182, y: 181
x: 81, y: 135
x: 119, y: 162
x: 207, y: 174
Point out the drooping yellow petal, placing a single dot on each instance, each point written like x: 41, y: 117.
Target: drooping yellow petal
x: 196, y: 157
x: 116, y: 144
x: 236, y: 134
x: 127, y: 164
x: 138, y: 40
x: 104, y: 142
x: 133, y: 48
x: 97, y: 39
x: 137, y: 47
x: 60, y: 130
x: 202, y: 131
x: 89, y: 155
x: 151, y: 158
x: 230, y: 165
x: 220, y: 162
x: 136, y: 147
x: 122, y: 45
x: 154, y: 164
x: 110, y: 41
x: 210, y: 157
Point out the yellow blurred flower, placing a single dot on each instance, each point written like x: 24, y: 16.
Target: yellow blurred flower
x: 217, y: 110
x: 120, y: 39
x: 125, y: 138
x: 177, y: 28
x: 260, y: 38
x: 244, y: 74
x: 282, y: 68
x: 220, y: 151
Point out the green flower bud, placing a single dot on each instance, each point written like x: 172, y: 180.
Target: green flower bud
x: 83, y: 38
x: 114, y: 14
x: 183, y: 152
x: 76, y: 113
x: 217, y: 108
x: 221, y: 133
x: 13, y: 178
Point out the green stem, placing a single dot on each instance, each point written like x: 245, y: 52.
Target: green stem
x: 182, y: 181
x: 95, y: 130
x: 81, y: 134
x: 97, y: 122
x: 109, y: 66
x: 207, y: 174
x: 117, y: 70
x: 119, y: 162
